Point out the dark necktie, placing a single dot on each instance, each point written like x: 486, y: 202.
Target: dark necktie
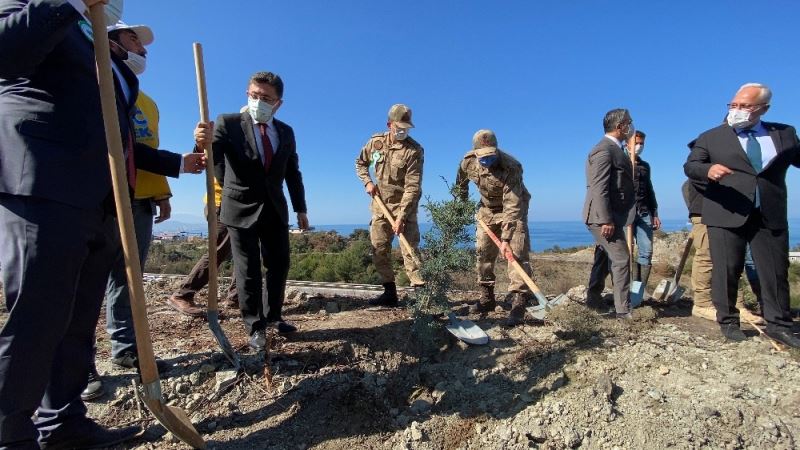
x: 753, y: 149
x: 266, y: 144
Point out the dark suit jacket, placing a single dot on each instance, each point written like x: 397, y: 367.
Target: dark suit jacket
x: 52, y: 139
x: 645, y: 194
x: 728, y: 203
x: 609, y: 186
x: 246, y: 187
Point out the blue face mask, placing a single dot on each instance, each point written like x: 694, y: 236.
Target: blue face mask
x: 488, y: 161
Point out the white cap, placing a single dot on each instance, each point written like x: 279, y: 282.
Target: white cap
x: 144, y: 32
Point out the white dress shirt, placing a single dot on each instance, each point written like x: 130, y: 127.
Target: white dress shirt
x: 272, y: 133
x: 768, y: 150
x: 614, y: 140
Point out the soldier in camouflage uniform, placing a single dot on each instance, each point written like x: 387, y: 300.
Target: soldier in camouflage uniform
x: 504, y: 209
x: 397, y: 162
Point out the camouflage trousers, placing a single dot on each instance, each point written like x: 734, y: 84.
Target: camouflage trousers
x: 381, y: 236
x: 488, y: 252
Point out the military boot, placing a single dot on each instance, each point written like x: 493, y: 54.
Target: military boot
x: 517, y: 313
x: 388, y: 298
x: 486, y: 303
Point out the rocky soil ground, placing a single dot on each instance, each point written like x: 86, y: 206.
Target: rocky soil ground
x: 354, y: 377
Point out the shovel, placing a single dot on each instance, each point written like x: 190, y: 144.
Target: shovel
x: 466, y: 330
x: 173, y: 419
x: 539, y: 311
x: 403, y: 241
x: 213, y: 310
x: 669, y: 290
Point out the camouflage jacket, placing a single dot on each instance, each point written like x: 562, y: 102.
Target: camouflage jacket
x: 398, y: 173
x: 504, y: 198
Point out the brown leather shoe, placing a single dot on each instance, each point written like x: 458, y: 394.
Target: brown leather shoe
x: 186, y: 307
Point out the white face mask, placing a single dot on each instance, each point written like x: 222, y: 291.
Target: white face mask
x: 739, y: 118
x: 400, y: 134
x: 136, y: 62
x: 638, y: 148
x: 259, y: 110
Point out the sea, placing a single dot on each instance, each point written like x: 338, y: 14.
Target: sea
x: 564, y: 234
x: 544, y: 234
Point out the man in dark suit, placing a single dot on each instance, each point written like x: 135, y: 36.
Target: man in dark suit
x: 609, y: 208
x: 744, y: 162
x: 254, y: 154
x: 56, y: 213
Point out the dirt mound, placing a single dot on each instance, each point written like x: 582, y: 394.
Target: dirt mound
x: 359, y: 378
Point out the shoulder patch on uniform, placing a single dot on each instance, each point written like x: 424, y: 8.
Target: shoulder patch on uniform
x: 377, y: 145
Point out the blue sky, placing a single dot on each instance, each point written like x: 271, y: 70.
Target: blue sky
x: 541, y: 74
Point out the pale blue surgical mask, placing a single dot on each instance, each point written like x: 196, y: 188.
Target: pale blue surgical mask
x: 259, y: 110
x: 400, y: 134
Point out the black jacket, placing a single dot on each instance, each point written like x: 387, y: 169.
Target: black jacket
x: 645, y: 195
x: 246, y: 187
x: 728, y: 203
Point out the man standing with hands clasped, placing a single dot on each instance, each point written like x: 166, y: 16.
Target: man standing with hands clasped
x: 609, y: 208
x: 397, y: 160
x: 744, y: 162
x: 254, y: 154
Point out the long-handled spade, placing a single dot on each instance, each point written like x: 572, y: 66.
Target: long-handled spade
x: 173, y: 419
x: 213, y: 310
x: 670, y: 290
x: 466, y: 330
x: 403, y: 241
x: 539, y: 311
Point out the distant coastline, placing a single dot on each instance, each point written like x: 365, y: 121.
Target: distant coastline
x: 544, y: 234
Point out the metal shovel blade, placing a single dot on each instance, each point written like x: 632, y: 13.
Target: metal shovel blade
x: 222, y: 340
x: 175, y: 421
x: 560, y: 298
x: 677, y: 294
x: 637, y: 293
x: 538, y: 312
x: 663, y: 289
x: 466, y: 330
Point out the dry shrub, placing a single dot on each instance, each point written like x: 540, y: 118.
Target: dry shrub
x: 575, y: 321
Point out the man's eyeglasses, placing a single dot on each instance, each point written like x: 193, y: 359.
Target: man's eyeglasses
x: 263, y: 98
x: 745, y: 106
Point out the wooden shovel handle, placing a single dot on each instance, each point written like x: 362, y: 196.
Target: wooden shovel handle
x: 211, y: 202
x: 684, y: 256
x: 403, y: 241
x: 771, y: 341
x: 514, y: 264
x: 119, y: 180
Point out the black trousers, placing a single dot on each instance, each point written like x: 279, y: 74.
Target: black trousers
x: 56, y: 260
x: 265, y: 243
x: 770, y: 249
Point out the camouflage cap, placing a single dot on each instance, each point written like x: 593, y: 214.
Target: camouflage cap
x: 484, y: 142
x: 401, y: 115
x: 485, y: 151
